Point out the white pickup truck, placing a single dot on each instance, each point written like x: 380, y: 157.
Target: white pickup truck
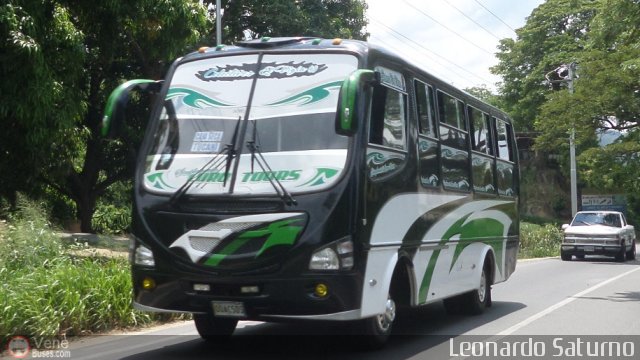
x: 599, y: 233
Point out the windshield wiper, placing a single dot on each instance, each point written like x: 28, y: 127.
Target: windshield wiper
x: 214, y: 163
x: 256, y: 156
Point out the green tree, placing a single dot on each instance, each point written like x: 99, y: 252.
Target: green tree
x: 485, y: 94
x: 59, y: 60
x: 41, y: 61
x: 554, y: 33
x: 603, y: 38
x: 63, y: 57
x: 320, y: 18
x: 607, y: 96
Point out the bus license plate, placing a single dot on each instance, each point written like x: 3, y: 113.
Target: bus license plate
x: 229, y: 308
x: 588, y: 249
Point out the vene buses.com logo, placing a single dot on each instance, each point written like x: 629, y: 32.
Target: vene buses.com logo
x: 18, y: 347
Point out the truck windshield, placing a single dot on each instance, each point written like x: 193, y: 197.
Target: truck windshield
x: 587, y: 219
x: 291, y: 112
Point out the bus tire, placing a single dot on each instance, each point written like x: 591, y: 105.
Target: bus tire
x: 476, y: 301
x: 214, y: 329
x: 452, y: 305
x: 375, y: 331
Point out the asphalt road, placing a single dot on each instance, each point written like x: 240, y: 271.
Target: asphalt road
x: 549, y: 297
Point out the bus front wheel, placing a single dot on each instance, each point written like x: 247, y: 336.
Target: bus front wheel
x: 376, y: 330
x: 213, y: 328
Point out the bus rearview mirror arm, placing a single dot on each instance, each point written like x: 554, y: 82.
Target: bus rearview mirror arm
x: 117, y: 102
x: 346, y: 119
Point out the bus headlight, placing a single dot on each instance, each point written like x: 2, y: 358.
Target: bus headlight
x: 325, y: 259
x: 143, y: 256
x: 337, y: 256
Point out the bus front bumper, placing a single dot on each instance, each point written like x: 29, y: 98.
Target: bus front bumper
x: 260, y: 299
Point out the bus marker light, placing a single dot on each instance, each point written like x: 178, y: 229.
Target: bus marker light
x: 321, y: 290
x: 202, y: 287
x: 203, y: 49
x: 249, y: 289
x: 148, y: 283
x: 336, y: 41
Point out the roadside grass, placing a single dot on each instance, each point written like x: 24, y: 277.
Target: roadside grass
x: 539, y: 240
x: 49, y: 290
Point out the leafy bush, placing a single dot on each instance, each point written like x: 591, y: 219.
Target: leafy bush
x: 49, y: 290
x: 109, y: 219
x: 539, y: 240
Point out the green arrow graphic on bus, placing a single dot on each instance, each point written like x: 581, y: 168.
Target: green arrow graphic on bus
x: 484, y: 229
x: 157, y: 181
x: 322, y: 176
x: 277, y: 233
x: 310, y: 96
x: 481, y: 224
x: 193, y: 98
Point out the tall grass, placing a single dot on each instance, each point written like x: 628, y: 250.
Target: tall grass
x: 49, y: 291
x: 539, y: 240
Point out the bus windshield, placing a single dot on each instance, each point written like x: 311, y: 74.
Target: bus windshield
x: 291, y: 114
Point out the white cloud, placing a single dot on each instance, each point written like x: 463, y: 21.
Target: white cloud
x: 442, y: 40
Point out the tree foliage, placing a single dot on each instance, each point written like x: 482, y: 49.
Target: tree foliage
x: 319, y: 18
x: 59, y: 60
x: 603, y: 38
x: 554, y: 33
x: 41, y: 57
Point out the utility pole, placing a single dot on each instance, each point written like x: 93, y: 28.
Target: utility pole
x: 572, y: 149
x: 218, y: 23
x: 566, y: 74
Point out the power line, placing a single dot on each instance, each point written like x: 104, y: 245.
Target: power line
x: 433, y: 52
x: 422, y: 51
x: 494, y: 15
x: 448, y: 28
x: 472, y: 20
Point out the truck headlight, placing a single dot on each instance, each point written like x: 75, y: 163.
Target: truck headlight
x: 337, y: 256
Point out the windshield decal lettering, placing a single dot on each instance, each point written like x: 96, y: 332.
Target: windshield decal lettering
x: 268, y: 71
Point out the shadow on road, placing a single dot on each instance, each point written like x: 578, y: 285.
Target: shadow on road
x: 415, y: 331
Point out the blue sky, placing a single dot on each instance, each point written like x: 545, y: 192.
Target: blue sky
x: 453, y: 39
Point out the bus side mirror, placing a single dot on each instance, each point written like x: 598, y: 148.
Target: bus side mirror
x: 346, y: 119
x: 117, y: 102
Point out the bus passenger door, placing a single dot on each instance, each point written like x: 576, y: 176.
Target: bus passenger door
x: 387, y: 175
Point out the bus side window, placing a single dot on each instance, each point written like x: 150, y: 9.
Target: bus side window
x: 426, y: 110
x: 505, y: 167
x: 388, y: 118
x: 454, y: 150
x: 504, y: 144
x: 451, y: 111
x: 481, y: 136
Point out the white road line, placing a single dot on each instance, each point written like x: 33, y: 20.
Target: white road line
x: 562, y: 303
x: 547, y: 311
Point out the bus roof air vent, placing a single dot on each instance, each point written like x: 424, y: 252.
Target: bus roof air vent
x: 269, y: 42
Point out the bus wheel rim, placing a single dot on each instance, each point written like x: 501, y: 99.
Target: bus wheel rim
x: 386, y: 319
x: 482, y: 291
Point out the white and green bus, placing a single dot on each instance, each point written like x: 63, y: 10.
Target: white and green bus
x: 310, y: 179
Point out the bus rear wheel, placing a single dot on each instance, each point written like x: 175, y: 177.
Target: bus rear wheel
x: 214, y: 329
x: 476, y: 301
x: 473, y: 302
